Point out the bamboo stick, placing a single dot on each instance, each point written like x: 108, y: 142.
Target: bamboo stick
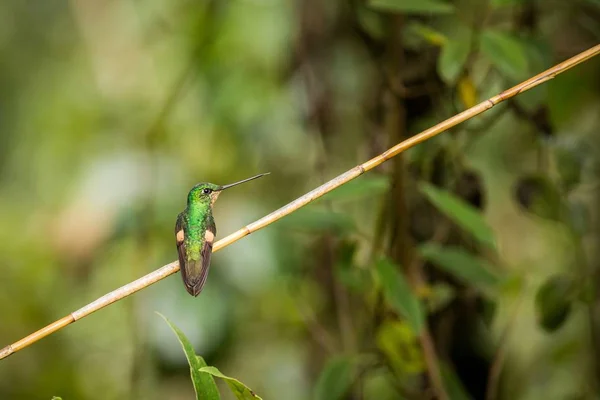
x: 347, y: 176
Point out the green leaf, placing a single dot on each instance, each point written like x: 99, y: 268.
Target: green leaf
x: 399, y: 294
x: 315, y: 219
x: 426, y: 33
x: 453, y: 57
x: 399, y: 343
x: 204, y: 384
x: 370, y: 21
x: 465, y: 266
x: 462, y: 213
x: 363, y: 186
x: 452, y: 384
x: 553, y: 302
x: 241, y: 391
x: 413, y: 6
x: 56, y: 398
x: 505, y: 52
x: 335, y: 379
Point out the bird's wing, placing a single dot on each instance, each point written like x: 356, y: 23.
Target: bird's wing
x: 205, y: 254
x: 194, y: 272
x: 180, y: 239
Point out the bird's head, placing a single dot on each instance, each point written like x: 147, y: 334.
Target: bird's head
x: 204, y: 193
x: 207, y: 193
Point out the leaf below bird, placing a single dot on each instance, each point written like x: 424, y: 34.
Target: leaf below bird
x: 399, y: 294
x: 461, y: 213
x: 204, y: 384
x: 241, y: 391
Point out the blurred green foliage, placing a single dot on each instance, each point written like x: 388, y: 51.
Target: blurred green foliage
x: 482, y: 241
x: 204, y: 383
x: 202, y: 375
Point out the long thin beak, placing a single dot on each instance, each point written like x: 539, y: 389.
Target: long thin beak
x: 243, y: 181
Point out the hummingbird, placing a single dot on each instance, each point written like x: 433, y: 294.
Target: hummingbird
x: 195, y: 232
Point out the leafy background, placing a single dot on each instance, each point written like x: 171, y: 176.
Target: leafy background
x: 479, y: 243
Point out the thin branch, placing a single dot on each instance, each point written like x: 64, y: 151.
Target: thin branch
x: 432, y: 363
x: 499, y: 357
x: 429, y: 353
x: 327, y: 187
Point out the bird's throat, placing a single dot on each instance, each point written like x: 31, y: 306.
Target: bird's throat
x: 213, y: 197
x: 198, y: 212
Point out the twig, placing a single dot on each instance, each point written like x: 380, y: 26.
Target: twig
x: 432, y: 364
x: 425, y: 339
x: 347, y: 176
x: 498, y: 361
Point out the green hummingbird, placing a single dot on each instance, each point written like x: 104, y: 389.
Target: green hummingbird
x: 195, y: 232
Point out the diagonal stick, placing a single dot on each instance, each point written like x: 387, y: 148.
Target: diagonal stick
x: 347, y: 176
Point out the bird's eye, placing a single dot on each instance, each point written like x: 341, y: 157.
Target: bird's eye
x: 206, y: 191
